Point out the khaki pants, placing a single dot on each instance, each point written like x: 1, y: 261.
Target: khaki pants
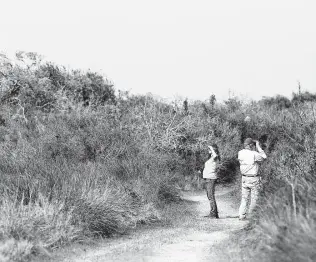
x: 210, y: 192
x: 250, y: 190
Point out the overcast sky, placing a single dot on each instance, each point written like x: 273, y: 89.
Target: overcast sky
x: 190, y: 48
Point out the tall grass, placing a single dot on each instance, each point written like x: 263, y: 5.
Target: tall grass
x: 58, y: 186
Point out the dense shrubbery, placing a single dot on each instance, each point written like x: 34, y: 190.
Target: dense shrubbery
x: 303, y: 97
x: 78, y: 161
x: 279, y: 102
x: 32, y: 84
x: 285, y: 218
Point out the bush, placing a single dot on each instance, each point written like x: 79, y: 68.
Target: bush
x: 303, y: 97
x: 285, y: 219
x: 30, y: 83
x: 78, y: 162
x: 278, y: 102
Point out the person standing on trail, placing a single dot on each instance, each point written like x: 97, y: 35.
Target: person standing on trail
x: 249, y: 159
x: 210, y: 175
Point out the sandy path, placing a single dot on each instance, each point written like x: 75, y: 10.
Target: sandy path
x: 191, y: 237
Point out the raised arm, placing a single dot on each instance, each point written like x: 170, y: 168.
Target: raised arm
x: 211, y: 150
x: 261, y: 155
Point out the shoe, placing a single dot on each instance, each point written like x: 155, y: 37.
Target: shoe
x: 212, y: 216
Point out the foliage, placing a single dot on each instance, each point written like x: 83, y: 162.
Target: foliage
x: 233, y: 104
x: 29, y: 83
x: 284, y: 221
x: 303, y: 97
x: 78, y: 161
x: 278, y: 102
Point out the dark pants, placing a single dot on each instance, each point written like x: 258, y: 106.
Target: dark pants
x: 210, y: 192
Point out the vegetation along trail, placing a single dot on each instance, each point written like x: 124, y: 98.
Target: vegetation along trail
x: 188, y: 237
x: 81, y: 159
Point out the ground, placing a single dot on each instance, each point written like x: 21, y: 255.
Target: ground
x: 188, y: 236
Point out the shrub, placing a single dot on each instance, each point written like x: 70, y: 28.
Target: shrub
x: 303, y: 97
x: 78, y: 162
x: 284, y: 221
x: 278, y: 102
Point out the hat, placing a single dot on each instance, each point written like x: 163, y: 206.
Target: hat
x: 248, y: 141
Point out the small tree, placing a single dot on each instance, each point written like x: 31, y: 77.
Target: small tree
x: 212, y: 101
x: 233, y: 104
x: 186, y: 106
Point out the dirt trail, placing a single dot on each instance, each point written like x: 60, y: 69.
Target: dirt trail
x: 190, y: 237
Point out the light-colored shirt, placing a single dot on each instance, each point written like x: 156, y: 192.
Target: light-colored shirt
x: 210, y: 166
x: 249, y: 161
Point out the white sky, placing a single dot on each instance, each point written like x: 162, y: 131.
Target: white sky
x: 191, y: 48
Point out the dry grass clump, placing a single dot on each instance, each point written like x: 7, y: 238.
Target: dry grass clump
x: 90, y: 211
x: 29, y: 229
x: 15, y: 250
x: 107, y: 212
x: 286, y: 238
